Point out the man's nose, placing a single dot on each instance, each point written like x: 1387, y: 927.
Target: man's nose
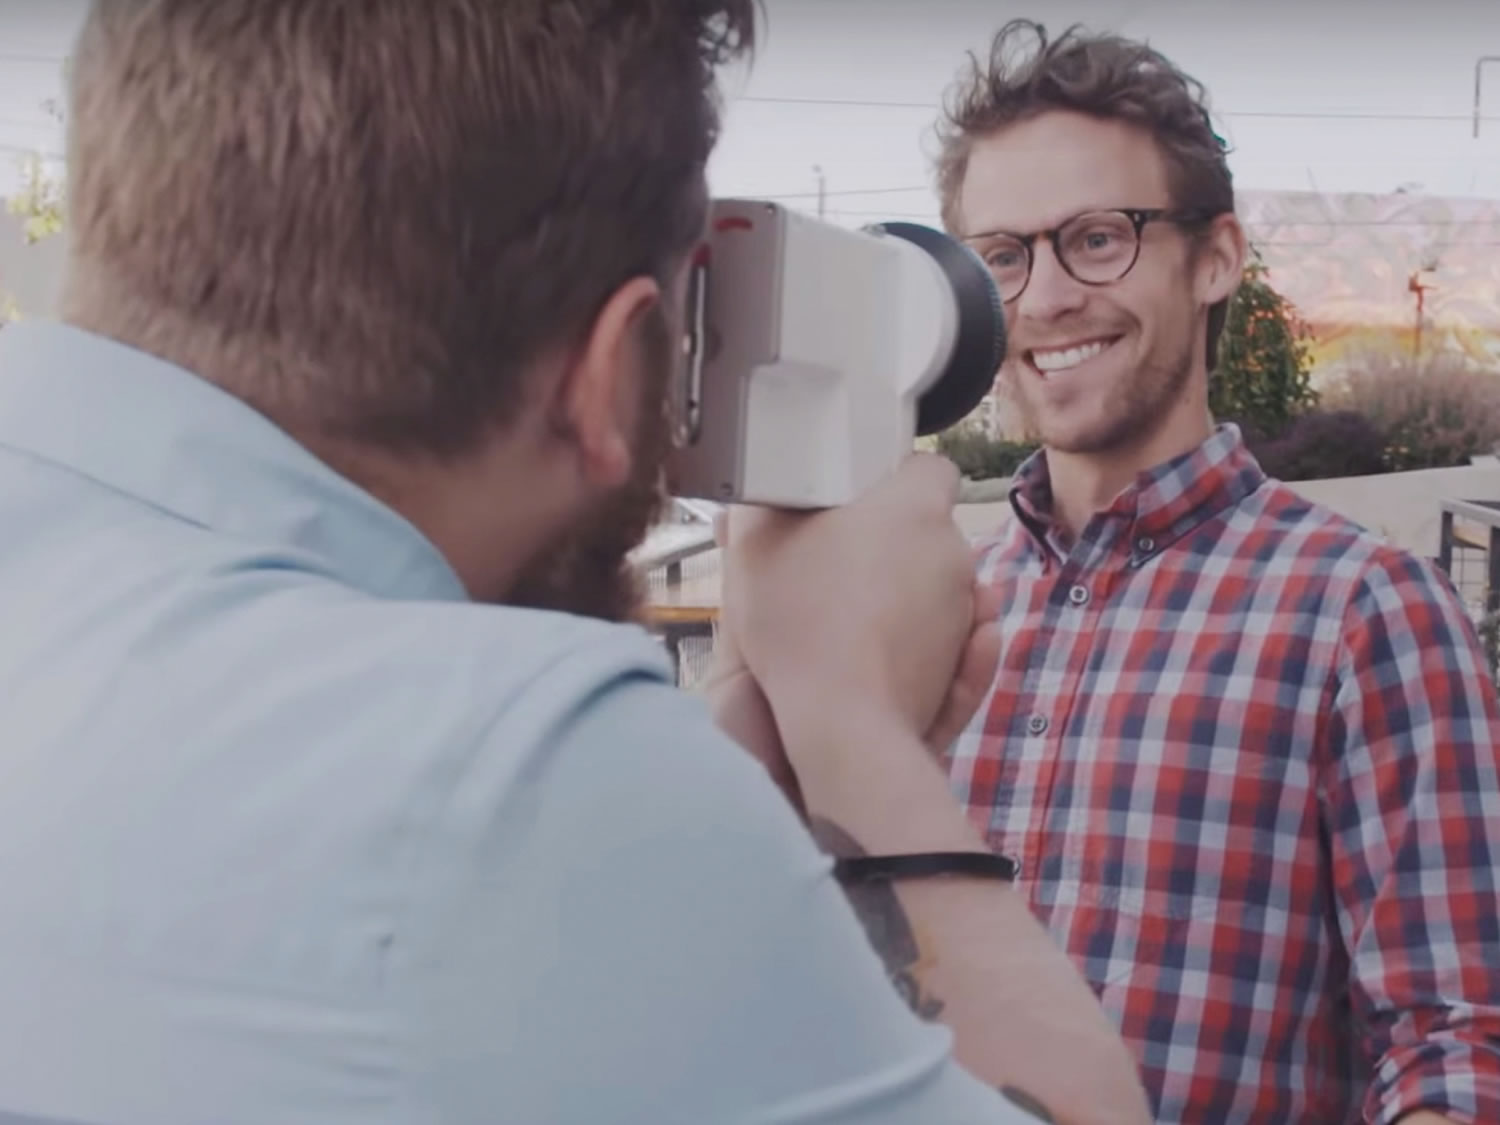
x: 1051, y: 291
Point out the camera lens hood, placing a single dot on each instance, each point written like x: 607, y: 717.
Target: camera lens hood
x: 979, y: 344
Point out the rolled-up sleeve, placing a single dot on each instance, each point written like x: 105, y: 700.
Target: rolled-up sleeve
x: 1411, y: 793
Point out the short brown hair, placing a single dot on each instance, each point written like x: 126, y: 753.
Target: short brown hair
x: 366, y: 218
x: 1104, y: 76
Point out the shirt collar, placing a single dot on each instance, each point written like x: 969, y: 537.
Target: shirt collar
x: 151, y: 430
x: 1163, y: 503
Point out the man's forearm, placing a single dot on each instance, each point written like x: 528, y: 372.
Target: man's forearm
x: 740, y: 710
x: 965, y: 952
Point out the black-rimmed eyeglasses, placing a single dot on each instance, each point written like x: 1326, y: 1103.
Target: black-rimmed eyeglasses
x: 1096, y: 247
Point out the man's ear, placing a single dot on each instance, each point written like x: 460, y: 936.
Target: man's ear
x: 1221, y: 261
x: 599, y: 398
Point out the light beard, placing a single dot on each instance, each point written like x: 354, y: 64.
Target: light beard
x: 1135, y: 411
x: 587, y: 572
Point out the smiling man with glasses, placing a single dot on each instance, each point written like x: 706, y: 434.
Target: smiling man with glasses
x: 1244, y: 752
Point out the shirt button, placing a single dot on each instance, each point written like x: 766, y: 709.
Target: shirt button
x: 1145, y: 545
x: 1079, y: 595
x: 1037, y: 724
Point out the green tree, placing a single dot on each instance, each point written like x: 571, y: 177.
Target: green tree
x: 1262, y: 380
x: 39, y: 204
x: 978, y: 455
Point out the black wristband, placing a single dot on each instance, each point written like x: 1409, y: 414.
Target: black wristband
x: 922, y: 865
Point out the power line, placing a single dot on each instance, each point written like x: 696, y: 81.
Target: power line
x: 37, y: 121
x: 875, y: 103
x: 1350, y: 115
x: 1440, y: 248
x: 857, y: 213
x: 1256, y: 224
x: 860, y: 103
x: 1421, y: 223
x: 843, y: 191
x: 846, y: 192
x: 1280, y: 243
x: 21, y: 56
x: 1270, y: 114
x: 31, y: 150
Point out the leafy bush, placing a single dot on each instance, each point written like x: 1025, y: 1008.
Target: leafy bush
x: 40, y: 206
x: 980, y: 456
x: 1323, y: 444
x: 39, y: 203
x: 1262, y: 378
x: 1433, y: 414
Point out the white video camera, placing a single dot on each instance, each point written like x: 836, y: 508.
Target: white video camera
x: 817, y: 354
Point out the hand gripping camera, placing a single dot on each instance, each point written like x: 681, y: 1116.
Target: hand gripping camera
x: 817, y: 354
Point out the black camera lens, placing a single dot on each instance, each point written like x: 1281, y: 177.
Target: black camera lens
x: 979, y: 344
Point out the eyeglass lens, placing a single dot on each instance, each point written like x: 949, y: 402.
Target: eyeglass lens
x: 1096, y: 248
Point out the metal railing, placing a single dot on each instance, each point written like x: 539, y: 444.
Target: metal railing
x: 691, y: 648
x: 681, y: 554
x: 1469, y: 550
x: 1469, y: 553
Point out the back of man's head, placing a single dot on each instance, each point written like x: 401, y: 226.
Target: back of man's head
x: 1028, y: 73
x: 367, y: 218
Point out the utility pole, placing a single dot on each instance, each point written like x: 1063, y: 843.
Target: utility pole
x: 1478, y: 82
x: 1419, y: 285
x: 822, y: 189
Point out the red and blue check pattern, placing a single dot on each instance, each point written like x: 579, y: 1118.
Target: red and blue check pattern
x: 1246, y: 755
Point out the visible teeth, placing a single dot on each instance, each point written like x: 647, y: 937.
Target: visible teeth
x: 1072, y: 357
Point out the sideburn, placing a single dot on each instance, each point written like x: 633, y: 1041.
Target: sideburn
x: 588, y: 572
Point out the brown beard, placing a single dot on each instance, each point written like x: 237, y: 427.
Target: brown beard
x: 588, y: 572
x: 1138, y: 406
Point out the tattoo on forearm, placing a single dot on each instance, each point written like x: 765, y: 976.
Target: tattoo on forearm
x: 891, y: 933
x: 885, y: 921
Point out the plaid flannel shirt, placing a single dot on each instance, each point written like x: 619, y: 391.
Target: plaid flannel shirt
x: 1246, y: 756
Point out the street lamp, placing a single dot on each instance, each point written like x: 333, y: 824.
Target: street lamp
x: 1478, y: 79
x: 1419, y: 283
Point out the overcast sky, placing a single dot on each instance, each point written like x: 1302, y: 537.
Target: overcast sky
x: 1341, y: 95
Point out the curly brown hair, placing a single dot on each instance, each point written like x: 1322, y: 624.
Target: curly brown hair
x: 369, y: 218
x: 1104, y: 76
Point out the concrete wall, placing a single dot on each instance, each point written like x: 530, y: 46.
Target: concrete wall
x: 1404, y: 508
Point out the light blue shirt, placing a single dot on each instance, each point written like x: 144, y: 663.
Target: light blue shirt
x: 291, y: 832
